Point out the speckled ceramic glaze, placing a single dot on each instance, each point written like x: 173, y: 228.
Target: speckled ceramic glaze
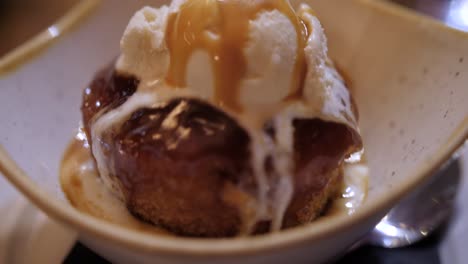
x: 409, y: 75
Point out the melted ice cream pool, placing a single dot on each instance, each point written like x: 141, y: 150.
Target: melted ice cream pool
x: 259, y: 61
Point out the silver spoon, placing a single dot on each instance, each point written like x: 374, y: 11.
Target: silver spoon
x: 419, y: 214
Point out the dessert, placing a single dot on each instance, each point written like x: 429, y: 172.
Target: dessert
x: 222, y: 118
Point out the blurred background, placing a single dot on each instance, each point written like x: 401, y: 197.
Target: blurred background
x: 453, y: 12
x: 22, y: 19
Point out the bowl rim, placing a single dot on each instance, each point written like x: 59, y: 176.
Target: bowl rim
x: 181, y: 246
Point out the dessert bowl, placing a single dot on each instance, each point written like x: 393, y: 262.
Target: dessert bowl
x: 407, y: 72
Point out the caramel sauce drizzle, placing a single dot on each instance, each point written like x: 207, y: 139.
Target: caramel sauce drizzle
x: 221, y: 27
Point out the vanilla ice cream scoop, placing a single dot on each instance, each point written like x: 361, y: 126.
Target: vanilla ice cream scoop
x: 261, y: 62
x: 240, y: 56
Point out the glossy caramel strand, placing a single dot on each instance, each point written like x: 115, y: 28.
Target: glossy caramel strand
x: 221, y: 29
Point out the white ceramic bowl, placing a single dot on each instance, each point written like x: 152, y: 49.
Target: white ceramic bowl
x: 409, y: 76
